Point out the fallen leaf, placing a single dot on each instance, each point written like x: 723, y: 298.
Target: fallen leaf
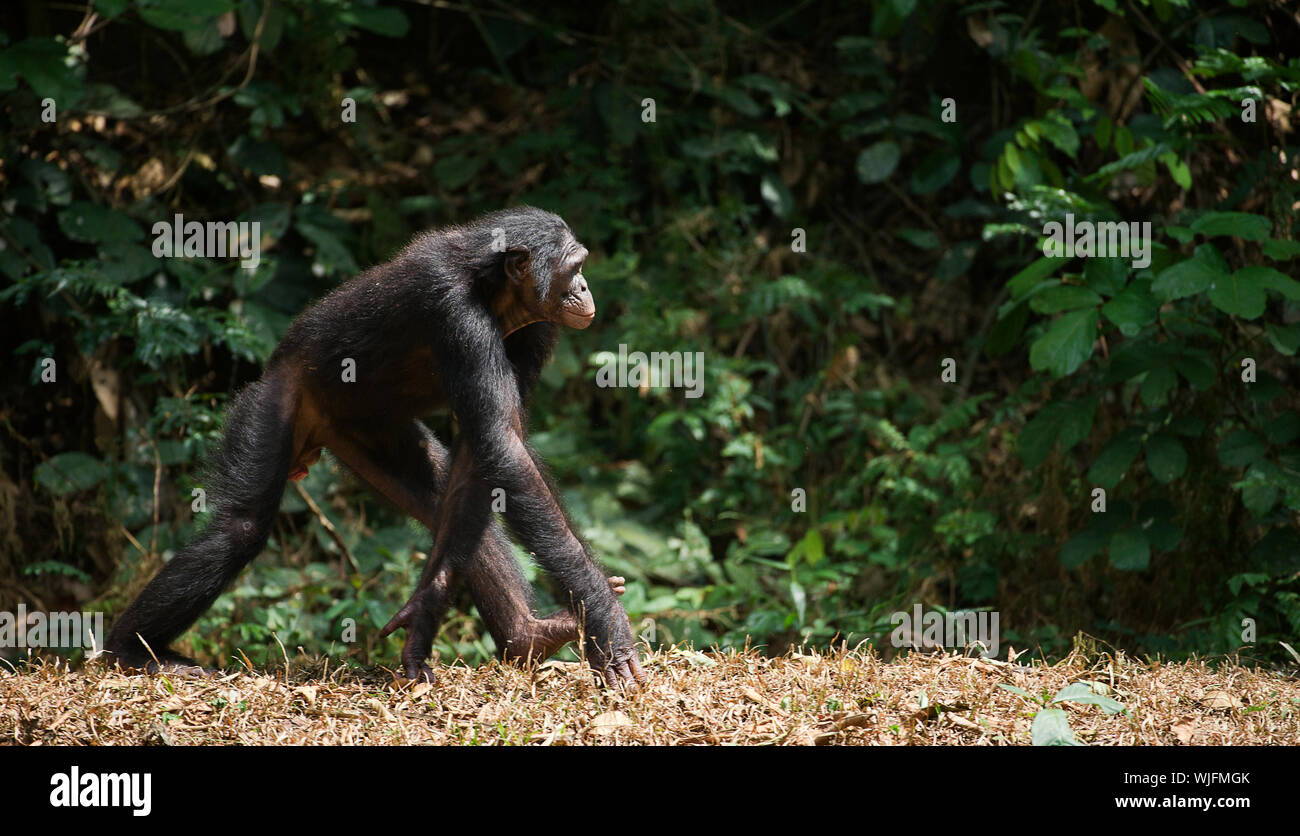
x: 609, y: 722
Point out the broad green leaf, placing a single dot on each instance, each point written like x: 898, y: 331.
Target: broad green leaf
x: 1280, y: 250
x: 1270, y: 279
x: 1285, y: 338
x: 1065, y: 297
x: 1082, y: 693
x: 1197, y: 370
x: 1088, y: 543
x: 1077, y: 422
x: 1132, y: 310
x: 1240, y: 448
x: 1105, y: 275
x: 877, y: 163
x: 1233, y: 224
x: 83, y: 221
x: 1115, y: 459
x: 1192, y: 276
x: 935, y: 172
x: 1030, y: 277
x: 1051, y: 728
x: 1259, y: 490
x: 1066, y: 344
x: 1239, y: 294
x: 1166, y: 458
x: 68, y: 472
x: 1130, y: 551
x: 387, y: 21
x: 1039, y: 435
x: 1157, y: 385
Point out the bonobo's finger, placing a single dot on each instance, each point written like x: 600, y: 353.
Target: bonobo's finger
x: 399, y: 620
x: 628, y: 679
x: 637, y: 671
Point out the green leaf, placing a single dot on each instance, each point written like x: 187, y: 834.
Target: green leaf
x: 935, y: 172
x: 68, y: 472
x: 1130, y: 551
x: 1051, y: 728
x: 877, y: 163
x: 1283, y: 429
x: 1285, y: 338
x: 1280, y: 250
x: 386, y: 21
x: 1239, y: 294
x: 1029, y: 278
x: 776, y: 195
x: 1157, y: 385
x: 1065, y: 297
x: 42, y: 63
x: 1197, y: 370
x: 1132, y: 310
x: 1259, y: 490
x: 923, y: 239
x: 1240, y: 448
x: 1082, y: 693
x: 1088, y: 543
x: 1005, y: 332
x: 1115, y: 459
x: 1066, y: 344
x: 1233, y: 224
x: 1192, y: 276
x: 1166, y: 458
x: 93, y: 224
x: 1039, y: 435
x: 1270, y: 279
x: 1105, y: 275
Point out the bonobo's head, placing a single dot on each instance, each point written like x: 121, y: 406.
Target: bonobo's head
x: 541, y: 270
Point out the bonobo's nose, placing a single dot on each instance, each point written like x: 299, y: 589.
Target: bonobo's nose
x: 579, y: 284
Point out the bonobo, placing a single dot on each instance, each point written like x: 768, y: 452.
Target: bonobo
x: 463, y: 317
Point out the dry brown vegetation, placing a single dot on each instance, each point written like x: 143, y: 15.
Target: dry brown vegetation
x: 841, y: 697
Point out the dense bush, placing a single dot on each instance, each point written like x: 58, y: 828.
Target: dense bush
x: 830, y: 474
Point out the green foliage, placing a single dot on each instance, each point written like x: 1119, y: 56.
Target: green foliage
x: 827, y: 475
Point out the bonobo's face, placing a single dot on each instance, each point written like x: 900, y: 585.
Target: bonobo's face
x: 543, y: 272
x: 576, y: 307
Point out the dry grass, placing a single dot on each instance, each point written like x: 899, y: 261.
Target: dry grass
x: 840, y: 697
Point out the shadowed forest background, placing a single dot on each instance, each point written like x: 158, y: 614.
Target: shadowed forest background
x: 921, y: 222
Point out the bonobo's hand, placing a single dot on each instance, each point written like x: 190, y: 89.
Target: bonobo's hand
x: 610, y: 650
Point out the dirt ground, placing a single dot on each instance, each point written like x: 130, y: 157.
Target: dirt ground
x: 834, y: 698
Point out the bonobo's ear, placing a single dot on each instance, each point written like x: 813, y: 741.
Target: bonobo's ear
x: 517, y: 264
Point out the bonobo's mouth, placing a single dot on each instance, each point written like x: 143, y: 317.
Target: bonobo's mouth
x: 578, y: 310
x: 578, y: 318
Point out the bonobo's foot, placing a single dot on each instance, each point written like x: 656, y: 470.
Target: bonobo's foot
x: 610, y: 650
x: 139, y: 661
x: 623, y: 669
x: 420, y: 619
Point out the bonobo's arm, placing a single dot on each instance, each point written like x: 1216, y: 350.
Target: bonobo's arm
x: 480, y: 383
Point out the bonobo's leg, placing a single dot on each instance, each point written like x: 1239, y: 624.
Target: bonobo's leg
x: 246, y: 477
x: 408, y: 466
